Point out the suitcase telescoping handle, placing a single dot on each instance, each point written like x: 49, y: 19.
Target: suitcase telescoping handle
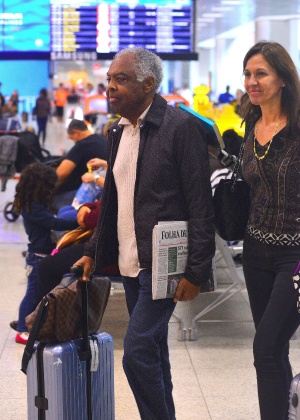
x: 78, y: 272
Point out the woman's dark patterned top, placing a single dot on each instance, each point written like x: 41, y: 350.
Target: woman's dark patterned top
x: 275, y: 189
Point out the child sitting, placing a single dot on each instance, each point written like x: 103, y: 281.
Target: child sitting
x: 32, y: 200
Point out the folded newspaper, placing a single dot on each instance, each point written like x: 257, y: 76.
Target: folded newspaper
x: 169, y: 259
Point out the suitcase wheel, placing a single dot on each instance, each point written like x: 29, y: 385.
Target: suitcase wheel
x: 295, y: 400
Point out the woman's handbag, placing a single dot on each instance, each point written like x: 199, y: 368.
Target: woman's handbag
x: 58, y: 317
x: 231, y: 203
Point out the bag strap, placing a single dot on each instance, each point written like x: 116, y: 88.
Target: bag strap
x: 236, y: 169
x: 235, y: 172
x: 33, y: 334
x: 41, y: 402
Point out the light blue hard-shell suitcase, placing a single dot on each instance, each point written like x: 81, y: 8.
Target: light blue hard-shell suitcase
x: 60, y: 392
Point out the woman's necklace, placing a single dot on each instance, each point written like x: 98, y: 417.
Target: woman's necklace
x: 270, y: 142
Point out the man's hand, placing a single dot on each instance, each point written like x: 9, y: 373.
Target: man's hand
x: 81, y: 215
x: 87, y: 264
x: 186, y: 290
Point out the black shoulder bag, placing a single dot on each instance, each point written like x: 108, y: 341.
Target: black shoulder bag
x: 231, y: 203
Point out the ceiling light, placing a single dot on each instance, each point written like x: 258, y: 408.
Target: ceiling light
x: 232, y: 2
x: 209, y: 20
x: 221, y: 9
x: 212, y: 15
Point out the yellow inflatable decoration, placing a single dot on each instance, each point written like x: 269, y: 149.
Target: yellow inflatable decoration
x: 223, y: 115
x: 201, y: 97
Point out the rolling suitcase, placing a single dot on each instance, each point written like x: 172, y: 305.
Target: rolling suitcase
x: 72, y: 380
x: 56, y: 381
x: 294, y: 408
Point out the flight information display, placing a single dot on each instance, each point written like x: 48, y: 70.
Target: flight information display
x: 73, y: 30
x: 90, y: 29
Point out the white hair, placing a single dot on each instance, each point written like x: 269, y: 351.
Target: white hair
x: 146, y: 64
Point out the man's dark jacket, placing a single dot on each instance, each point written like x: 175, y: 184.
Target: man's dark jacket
x: 172, y: 183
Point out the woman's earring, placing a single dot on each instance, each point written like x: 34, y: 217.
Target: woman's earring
x: 283, y: 84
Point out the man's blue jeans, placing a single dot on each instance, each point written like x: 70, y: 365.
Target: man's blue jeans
x: 146, y: 355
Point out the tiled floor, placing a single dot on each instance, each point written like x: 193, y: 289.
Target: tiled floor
x: 213, y: 377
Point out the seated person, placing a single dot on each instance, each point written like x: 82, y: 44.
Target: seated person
x: 99, y: 166
x: 73, y: 166
x: 53, y: 267
x: 33, y: 201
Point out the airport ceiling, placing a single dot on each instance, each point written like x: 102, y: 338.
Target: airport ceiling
x: 217, y: 16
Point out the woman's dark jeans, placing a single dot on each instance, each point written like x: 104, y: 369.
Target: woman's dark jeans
x: 268, y: 273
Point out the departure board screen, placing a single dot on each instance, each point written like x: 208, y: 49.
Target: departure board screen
x: 90, y: 29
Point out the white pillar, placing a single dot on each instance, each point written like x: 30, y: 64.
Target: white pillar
x: 294, y: 40
x: 262, y: 29
x: 282, y: 29
x: 221, y: 64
